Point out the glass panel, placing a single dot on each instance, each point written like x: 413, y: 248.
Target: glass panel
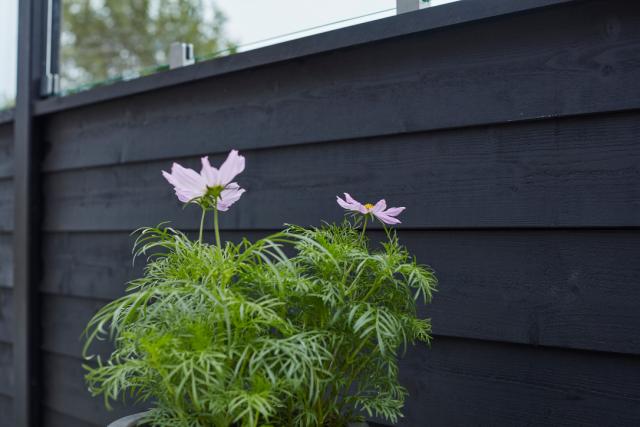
x: 254, y: 23
x: 8, y: 52
x: 109, y: 40
x: 438, y: 2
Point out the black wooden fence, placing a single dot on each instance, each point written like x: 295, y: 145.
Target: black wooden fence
x: 511, y: 131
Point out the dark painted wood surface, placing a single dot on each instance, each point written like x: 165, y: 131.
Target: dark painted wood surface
x: 458, y: 383
x: 7, y: 417
x: 7, y: 413
x: 513, y: 142
x: 6, y: 184
x: 6, y: 316
x: 6, y: 150
x: 507, y: 70
x: 555, y: 173
x: 52, y: 418
x: 572, y: 288
x: 475, y: 383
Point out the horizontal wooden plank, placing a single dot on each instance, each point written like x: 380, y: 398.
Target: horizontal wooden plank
x: 6, y: 315
x: 575, y: 289
x: 457, y: 382
x: 564, y: 289
x: 6, y: 150
x: 63, y: 321
x: 579, y: 172
x: 6, y: 370
x: 462, y: 383
x: 463, y: 75
x: 89, y: 265
x: 6, y: 116
x: 6, y: 205
x: 52, y: 418
x: 6, y: 260
x: 7, y: 418
x: 65, y: 391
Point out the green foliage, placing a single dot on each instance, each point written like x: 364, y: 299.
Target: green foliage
x: 248, y: 335
x: 108, y: 39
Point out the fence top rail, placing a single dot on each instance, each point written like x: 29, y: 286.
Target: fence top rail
x: 397, y: 26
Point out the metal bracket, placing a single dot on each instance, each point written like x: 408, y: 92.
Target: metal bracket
x: 180, y: 55
x: 403, y: 6
x: 50, y: 85
x: 50, y: 81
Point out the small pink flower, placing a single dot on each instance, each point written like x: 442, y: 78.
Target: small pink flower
x: 379, y: 210
x: 190, y: 185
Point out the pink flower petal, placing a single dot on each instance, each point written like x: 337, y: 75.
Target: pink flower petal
x: 386, y: 219
x: 344, y: 204
x: 351, y: 204
x: 379, y: 207
x: 393, y: 211
x: 185, y: 196
x: 188, y: 178
x: 229, y: 196
x: 350, y: 199
x: 187, y: 183
x: 209, y: 173
x: 231, y: 168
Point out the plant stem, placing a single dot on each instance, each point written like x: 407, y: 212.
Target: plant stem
x: 364, y: 226
x: 204, y: 212
x: 215, y: 224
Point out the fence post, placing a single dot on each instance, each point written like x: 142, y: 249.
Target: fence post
x: 27, y: 207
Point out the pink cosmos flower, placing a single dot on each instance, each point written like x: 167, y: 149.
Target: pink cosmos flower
x: 190, y: 185
x: 379, y: 210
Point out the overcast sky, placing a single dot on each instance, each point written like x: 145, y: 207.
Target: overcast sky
x: 248, y: 21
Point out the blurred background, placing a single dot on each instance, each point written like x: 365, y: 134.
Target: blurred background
x: 103, y: 41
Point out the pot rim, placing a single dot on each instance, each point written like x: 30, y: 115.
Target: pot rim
x: 132, y: 421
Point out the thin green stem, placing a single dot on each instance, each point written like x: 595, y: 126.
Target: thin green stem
x: 364, y: 226
x: 204, y: 212
x: 215, y: 224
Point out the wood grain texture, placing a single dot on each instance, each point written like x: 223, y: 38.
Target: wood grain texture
x: 6, y: 315
x: 66, y: 393
x: 6, y: 150
x: 575, y: 289
x: 557, y: 173
x: 463, y: 383
x: 6, y: 117
x: 6, y: 370
x: 458, y: 383
x: 583, y: 62
x: 6, y: 205
x: 52, y: 418
x: 7, y: 418
x: 6, y: 260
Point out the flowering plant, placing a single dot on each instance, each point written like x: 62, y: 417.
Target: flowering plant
x: 301, y: 328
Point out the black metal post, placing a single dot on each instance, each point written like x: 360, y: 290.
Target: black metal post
x: 26, y: 229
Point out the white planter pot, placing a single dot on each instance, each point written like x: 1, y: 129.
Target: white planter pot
x: 132, y: 421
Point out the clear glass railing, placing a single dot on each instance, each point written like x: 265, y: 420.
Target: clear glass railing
x: 8, y: 52
x: 104, y: 41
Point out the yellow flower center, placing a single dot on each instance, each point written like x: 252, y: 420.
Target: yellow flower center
x: 369, y: 206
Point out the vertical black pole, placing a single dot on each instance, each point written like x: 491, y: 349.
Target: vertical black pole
x: 26, y: 215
